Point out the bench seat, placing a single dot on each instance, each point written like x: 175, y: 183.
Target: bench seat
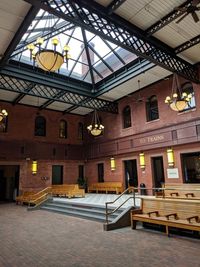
x: 181, y: 214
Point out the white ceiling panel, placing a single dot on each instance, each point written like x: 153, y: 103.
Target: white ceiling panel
x: 147, y: 12
x: 12, y: 13
x: 149, y: 77
x: 104, y: 2
x: 192, y: 54
x: 32, y: 100
x: 6, y: 38
x: 7, y: 95
x: 82, y: 111
x: 59, y: 106
x: 181, y: 32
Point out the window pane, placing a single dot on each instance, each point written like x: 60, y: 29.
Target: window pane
x: 188, y: 88
x: 63, y: 129
x: 127, y: 117
x: 40, y: 126
x: 100, y: 173
x: 80, y: 131
x: 152, y: 109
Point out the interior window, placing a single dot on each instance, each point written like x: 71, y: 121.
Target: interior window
x: 40, y: 126
x: 126, y: 117
x: 63, y: 129
x: 188, y: 88
x: 152, y: 108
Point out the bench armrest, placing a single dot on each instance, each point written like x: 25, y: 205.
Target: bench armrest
x: 137, y: 211
x: 174, y: 193
x: 193, y: 217
x: 152, y: 212
x: 172, y: 214
x: 189, y: 194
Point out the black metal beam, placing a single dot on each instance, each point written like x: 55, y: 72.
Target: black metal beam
x: 22, y: 95
x: 49, y: 102
x: 23, y: 71
x: 114, y: 5
x: 89, y: 60
x: 11, y: 84
x: 20, y: 32
x: 192, y: 42
x: 168, y: 18
x: 94, y: 18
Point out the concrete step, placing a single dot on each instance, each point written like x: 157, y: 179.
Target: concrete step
x: 92, y: 212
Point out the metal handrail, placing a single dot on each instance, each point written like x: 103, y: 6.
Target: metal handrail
x: 133, y: 197
x: 112, y: 202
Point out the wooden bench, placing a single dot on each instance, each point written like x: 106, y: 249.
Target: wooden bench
x: 177, y: 213
x: 106, y: 187
x: 67, y: 190
x: 24, y: 197
x: 39, y: 197
x: 181, y: 191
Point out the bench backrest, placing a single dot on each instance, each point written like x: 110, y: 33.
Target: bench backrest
x: 106, y: 184
x: 183, y: 208
x: 190, y: 191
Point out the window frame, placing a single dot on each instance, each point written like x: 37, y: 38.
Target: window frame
x: 126, y: 117
x: 151, y: 110
x: 63, y: 129
x: 43, y: 128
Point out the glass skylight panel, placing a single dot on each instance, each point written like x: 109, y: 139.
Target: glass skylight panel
x: 105, y: 57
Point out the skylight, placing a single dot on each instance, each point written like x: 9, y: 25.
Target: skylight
x: 92, y: 58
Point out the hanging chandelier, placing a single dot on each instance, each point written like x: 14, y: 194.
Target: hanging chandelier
x: 48, y: 59
x: 95, y: 128
x: 3, y: 114
x: 178, y: 100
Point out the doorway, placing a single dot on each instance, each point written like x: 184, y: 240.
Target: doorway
x: 191, y: 167
x: 158, y: 172
x: 57, y: 174
x: 131, y: 175
x: 9, y: 182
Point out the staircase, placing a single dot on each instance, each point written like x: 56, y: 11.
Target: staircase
x: 86, y: 211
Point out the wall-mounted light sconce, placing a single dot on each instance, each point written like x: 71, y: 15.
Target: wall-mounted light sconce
x: 142, y: 160
x: 34, y: 167
x: 170, y: 157
x: 112, y: 164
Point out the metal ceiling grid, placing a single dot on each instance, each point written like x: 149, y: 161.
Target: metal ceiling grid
x: 111, y: 28
x: 50, y: 93
x: 89, y: 52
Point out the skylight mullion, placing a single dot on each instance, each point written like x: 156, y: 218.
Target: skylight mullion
x: 88, y: 56
x: 46, y: 37
x: 76, y: 62
x: 116, y: 54
x: 101, y: 58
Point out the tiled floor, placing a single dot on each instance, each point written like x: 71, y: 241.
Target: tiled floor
x: 43, y: 239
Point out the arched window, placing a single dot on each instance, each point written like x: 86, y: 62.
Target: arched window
x: 63, y: 129
x: 80, y: 131
x: 40, y: 126
x: 152, y: 108
x: 188, y: 88
x: 4, y: 125
x: 126, y: 117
